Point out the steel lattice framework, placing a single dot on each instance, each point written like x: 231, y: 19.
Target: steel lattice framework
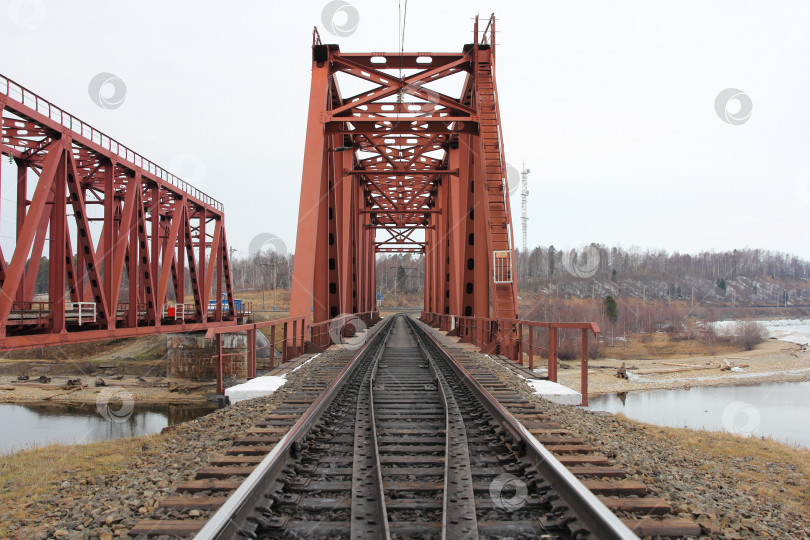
x: 404, y: 166
x: 154, y: 229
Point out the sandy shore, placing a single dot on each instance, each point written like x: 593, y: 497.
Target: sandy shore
x: 143, y: 390
x: 771, y: 361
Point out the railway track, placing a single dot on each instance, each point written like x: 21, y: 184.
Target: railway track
x: 405, y: 443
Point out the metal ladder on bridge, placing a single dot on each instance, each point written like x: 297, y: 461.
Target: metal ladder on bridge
x: 504, y: 299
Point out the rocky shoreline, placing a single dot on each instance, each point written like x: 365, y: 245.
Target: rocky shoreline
x: 108, y: 506
x: 698, y: 485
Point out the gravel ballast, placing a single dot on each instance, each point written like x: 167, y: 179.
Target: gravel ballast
x: 698, y: 485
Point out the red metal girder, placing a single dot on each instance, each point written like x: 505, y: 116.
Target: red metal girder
x: 168, y: 254
x: 121, y: 245
x: 216, y: 244
x: 410, y: 84
x: 381, y: 127
x: 56, y: 120
x: 139, y: 212
x: 424, y: 161
x: 25, y: 235
x: 201, y: 309
x: 146, y: 277
x: 399, y: 172
x: 85, y: 242
x: 41, y: 340
x: 311, y: 227
x: 399, y: 60
x: 58, y: 241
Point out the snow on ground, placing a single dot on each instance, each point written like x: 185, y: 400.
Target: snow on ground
x: 556, y: 393
x: 792, y: 330
x: 258, y: 387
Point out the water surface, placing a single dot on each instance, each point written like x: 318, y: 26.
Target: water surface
x: 28, y: 425
x: 780, y: 411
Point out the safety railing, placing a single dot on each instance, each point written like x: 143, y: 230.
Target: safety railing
x: 86, y: 312
x: 39, y: 313
x: 240, y: 308
x: 30, y: 313
x: 174, y: 311
x: 288, y: 334
x: 333, y: 331
x: 518, y: 339
x: 502, y: 266
x: 33, y: 101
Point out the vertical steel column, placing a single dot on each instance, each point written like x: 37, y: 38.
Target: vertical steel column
x: 58, y: 237
x: 220, y: 385
x: 107, y: 243
x: 312, y: 204
x: 201, y: 245
x: 583, y: 368
x: 22, y: 206
x: 155, y: 249
x: 552, y: 354
x: 251, y: 359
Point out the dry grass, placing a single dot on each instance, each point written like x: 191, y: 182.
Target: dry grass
x: 29, y: 477
x: 782, y: 484
x: 663, y: 346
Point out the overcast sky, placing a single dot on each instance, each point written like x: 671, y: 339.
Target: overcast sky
x: 610, y: 104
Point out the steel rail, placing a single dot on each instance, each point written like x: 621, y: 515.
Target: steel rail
x: 598, y: 519
x: 229, y: 520
x: 369, y: 514
x: 458, y: 502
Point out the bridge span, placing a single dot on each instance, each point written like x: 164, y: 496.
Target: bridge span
x: 125, y: 278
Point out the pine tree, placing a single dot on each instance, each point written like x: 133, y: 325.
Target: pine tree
x: 611, y: 309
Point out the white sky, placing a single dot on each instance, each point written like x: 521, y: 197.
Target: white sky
x: 610, y: 104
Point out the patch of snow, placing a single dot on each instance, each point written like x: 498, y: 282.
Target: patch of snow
x: 741, y: 376
x: 258, y: 387
x: 556, y: 393
x: 790, y: 330
x: 305, y: 363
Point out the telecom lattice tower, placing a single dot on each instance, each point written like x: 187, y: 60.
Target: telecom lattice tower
x: 524, y: 203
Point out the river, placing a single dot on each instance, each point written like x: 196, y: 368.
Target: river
x: 780, y: 411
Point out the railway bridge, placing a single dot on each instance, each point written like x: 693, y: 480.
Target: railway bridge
x: 404, y: 152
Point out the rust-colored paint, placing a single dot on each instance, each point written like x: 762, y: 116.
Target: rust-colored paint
x: 153, y: 225
x: 429, y: 170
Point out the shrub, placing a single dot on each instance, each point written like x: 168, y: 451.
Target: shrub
x: 748, y: 335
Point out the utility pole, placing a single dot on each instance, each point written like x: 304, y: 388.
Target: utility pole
x: 264, y: 286
x: 693, y: 297
x: 275, y: 281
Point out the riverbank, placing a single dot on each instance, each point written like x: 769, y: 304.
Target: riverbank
x: 101, y: 490
x: 734, y: 487
x: 770, y: 361
x: 137, y: 389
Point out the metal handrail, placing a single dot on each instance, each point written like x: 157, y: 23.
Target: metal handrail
x: 25, y: 97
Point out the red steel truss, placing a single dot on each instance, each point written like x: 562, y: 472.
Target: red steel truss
x: 151, y: 230
x: 405, y: 165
